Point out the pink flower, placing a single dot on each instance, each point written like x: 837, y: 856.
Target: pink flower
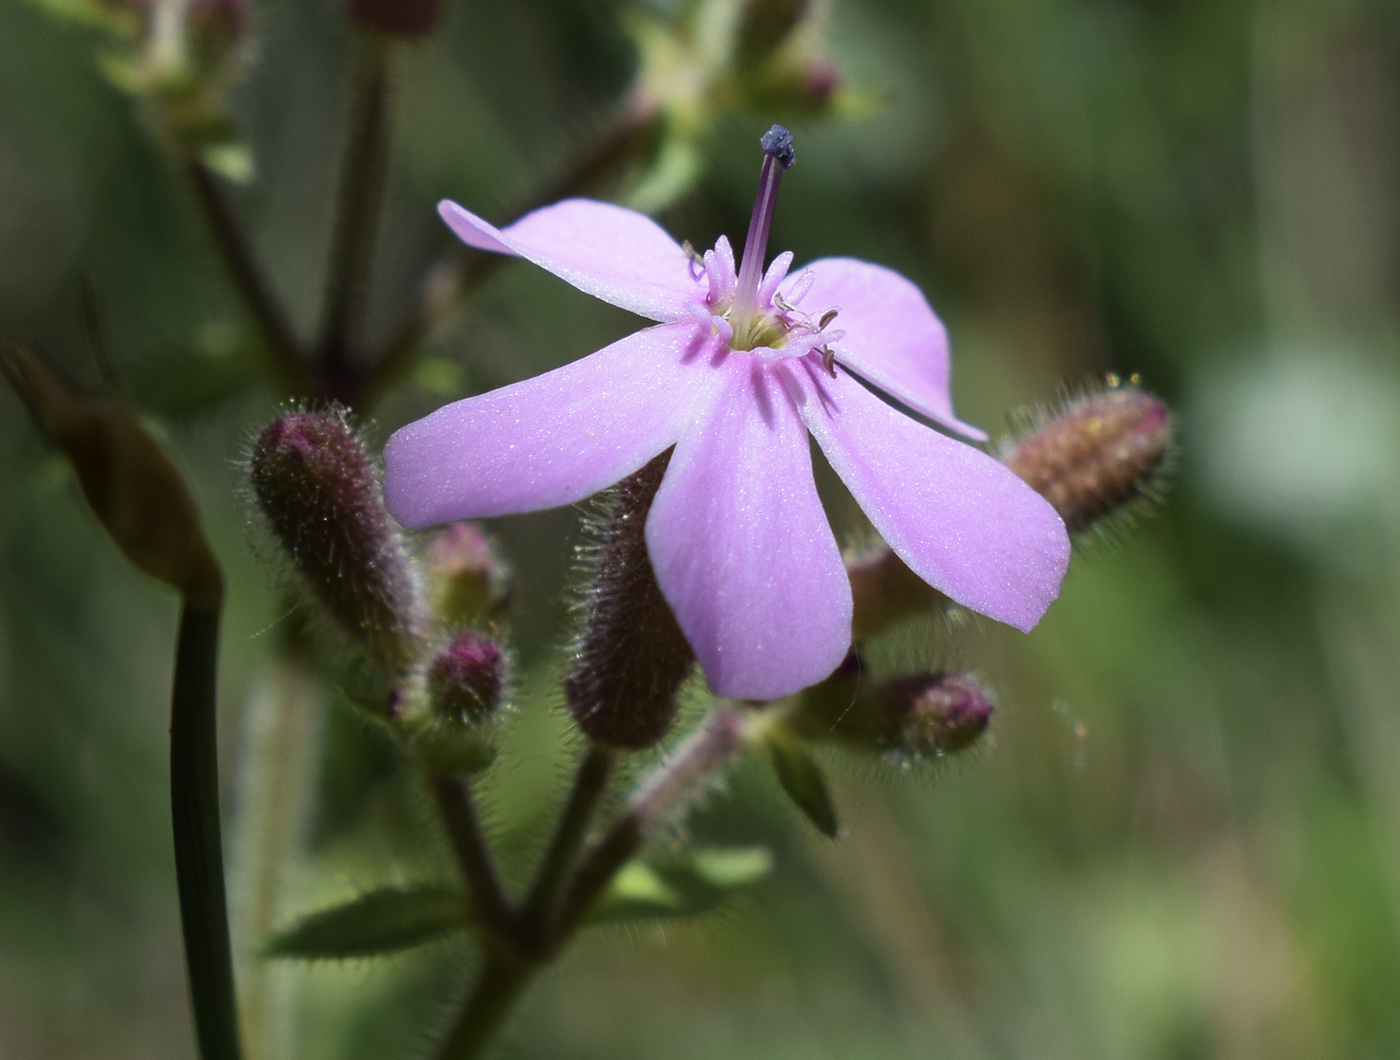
x: 735, y: 375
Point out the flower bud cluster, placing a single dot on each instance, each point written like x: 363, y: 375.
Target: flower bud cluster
x: 317, y: 490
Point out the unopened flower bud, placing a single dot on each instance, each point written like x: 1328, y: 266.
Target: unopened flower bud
x: 132, y: 486
x: 1097, y: 455
x: 631, y: 657
x: 316, y: 485
x: 467, y: 580
x: 464, y: 680
x: 216, y: 28
x: 396, y: 18
x: 913, y: 716
x: 933, y: 714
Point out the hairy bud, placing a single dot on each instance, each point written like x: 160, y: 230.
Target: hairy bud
x: 464, y: 680
x: 396, y: 18
x: 932, y: 714
x: 1097, y: 455
x: 631, y: 658
x: 467, y: 580
x: 912, y: 716
x: 316, y: 486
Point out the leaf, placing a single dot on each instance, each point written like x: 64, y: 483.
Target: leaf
x: 802, y: 779
x: 645, y: 890
x: 383, y: 921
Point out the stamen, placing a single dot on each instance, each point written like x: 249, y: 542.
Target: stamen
x: 719, y: 266
x: 775, y: 275
x: 778, y: 155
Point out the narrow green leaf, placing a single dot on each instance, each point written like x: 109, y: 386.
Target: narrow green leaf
x: 379, y: 922
x: 802, y: 779
x: 645, y: 890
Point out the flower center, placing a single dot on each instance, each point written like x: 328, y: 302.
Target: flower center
x: 744, y: 305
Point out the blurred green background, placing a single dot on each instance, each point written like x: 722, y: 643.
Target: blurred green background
x: 1183, y: 840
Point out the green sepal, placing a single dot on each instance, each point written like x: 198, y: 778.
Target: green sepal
x: 802, y: 779
x: 645, y: 890
x: 372, y: 924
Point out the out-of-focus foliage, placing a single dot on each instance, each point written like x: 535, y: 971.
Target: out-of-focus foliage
x: 1184, y: 840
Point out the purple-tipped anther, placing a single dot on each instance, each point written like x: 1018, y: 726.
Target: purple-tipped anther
x: 778, y: 155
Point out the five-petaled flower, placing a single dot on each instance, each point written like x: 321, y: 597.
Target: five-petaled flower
x: 740, y: 368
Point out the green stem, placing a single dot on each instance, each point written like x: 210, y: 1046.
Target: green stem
x: 358, y: 199
x: 486, y: 1009
x: 199, y: 860
x: 281, y: 341
x: 469, y: 844
x: 589, y: 785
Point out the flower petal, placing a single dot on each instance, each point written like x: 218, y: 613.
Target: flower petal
x: 959, y: 518
x: 893, y: 339
x: 741, y: 547
x: 550, y: 440
x: 612, y: 253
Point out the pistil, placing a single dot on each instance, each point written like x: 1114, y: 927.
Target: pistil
x: 778, y: 155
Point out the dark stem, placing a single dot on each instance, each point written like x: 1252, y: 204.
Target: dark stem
x: 464, y: 829
x: 357, y: 206
x: 277, y: 334
x: 589, y: 784
x: 486, y: 1009
x: 199, y: 859
x: 458, y: 276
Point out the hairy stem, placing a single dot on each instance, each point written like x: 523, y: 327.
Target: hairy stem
x: 589, y: 784
x: 486, y: 1008
x: 464, y: 830
x: 357, y: 206
x: 199, y: 859
x: 660, y: 798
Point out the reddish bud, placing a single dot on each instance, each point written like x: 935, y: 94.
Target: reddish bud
x: 1097, y: 455
x: 396, y: 18
x: 913, y: 716
x: 317, y: 488
x: 216, y: 27
x: 464, y: 681
x: 933, y: 714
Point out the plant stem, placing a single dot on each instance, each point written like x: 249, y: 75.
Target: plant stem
x: 281, y: 341
x: 666, y: 793
x: 463, y: 828
x: 357, y: 206
x: 486, y: 1008
x: 199, y: 860
x: 589, y: 784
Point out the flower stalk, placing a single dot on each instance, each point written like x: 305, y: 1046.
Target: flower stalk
x: 357, y: 204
